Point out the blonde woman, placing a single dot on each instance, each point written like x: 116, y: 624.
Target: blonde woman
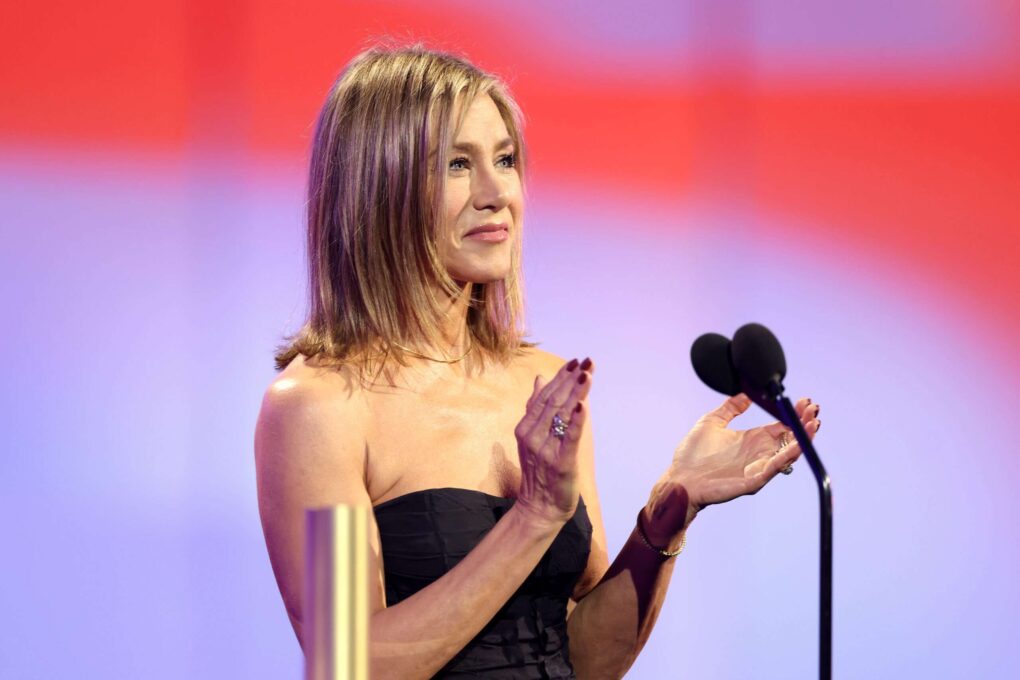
x: 411, y: 390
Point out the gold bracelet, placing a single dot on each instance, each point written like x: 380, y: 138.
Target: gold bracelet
x: 661, y: 551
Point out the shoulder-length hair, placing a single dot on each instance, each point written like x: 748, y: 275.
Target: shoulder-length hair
x: 375, y: 210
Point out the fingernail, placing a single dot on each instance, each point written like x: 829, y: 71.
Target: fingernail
x: 818, y: 409
x: 586, y: 364
x: 583, y: 379
x: 809, y: 401
x: 572, y: 365
x: 577, y: 409
x: 818, y: 426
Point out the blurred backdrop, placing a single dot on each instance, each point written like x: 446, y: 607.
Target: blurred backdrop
x: 844, y: 172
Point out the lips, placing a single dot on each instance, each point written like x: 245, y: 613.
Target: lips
x: 487, y: 229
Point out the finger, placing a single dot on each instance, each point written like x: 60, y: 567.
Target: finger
x: 764, y: 468
x: 565, y: 453
x: 536, y: 425
x: 554, y: 445
x: 563, y: 402
x: 562, y: 453
x: 810, y: 427
x: 729, y: 409
x: 806, y: 411
x: 768, y: 467
x: 566, y: 370
x: 810, y: 413
x: 787, y: 455
x: 559, y: 395
x: 536, y: 404
x: 564, y: 375
x: 536, y: 388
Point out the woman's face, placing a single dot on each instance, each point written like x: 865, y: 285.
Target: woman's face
x: 483, y: 197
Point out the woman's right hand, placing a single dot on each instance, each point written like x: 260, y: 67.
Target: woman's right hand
x: 549, y: 492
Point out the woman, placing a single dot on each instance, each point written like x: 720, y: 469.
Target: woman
x: 410, y: 389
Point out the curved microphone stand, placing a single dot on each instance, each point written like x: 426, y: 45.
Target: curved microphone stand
x: 788, y: 416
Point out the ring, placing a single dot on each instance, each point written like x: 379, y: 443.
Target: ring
x: 559, y: 427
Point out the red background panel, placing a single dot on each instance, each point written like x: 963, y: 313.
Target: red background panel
x: 922, y: 170
x: 96, y: 76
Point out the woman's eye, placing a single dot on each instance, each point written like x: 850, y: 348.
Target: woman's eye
x: 505, y: 161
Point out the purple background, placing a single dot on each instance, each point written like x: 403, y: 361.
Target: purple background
x: 144, y: 289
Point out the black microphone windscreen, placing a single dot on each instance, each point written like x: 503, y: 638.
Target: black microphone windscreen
x: 710, y: 356
x: 757, y: 355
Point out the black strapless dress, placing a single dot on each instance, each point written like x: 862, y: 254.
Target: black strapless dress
x: 426, y: 533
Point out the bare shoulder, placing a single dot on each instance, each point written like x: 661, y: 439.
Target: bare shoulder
x: 539, y: 362
x: 303, y: 383
x: 311, y: 423
x: 309, y: 452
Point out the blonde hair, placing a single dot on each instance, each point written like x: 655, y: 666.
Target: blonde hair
x: 374, y: 212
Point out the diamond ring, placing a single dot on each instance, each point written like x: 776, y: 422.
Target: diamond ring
x: 559, y: 427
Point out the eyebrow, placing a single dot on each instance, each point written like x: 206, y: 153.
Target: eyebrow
x: 471, y: 146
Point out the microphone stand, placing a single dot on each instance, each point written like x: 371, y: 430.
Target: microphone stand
x: 788, y: 416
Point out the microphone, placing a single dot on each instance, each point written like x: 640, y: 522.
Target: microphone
x: 759, y: 362
x: 757, y: 356
x: 710, y: 355
x: 754, y: 363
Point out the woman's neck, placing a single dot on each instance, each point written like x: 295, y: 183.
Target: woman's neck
x: 454, y: 336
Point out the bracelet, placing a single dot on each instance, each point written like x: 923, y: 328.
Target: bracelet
x: 661, y: 551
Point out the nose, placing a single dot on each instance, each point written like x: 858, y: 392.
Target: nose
x: 489, y: 190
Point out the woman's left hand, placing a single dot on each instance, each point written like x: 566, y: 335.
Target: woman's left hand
x: 715, y: 464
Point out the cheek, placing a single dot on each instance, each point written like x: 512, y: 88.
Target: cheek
x: 516, y: 198
x: 455, y: 199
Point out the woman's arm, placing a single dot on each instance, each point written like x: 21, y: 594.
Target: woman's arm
x: 611, y: 624
x: 609, y: 627
x: 418, y: 636
x: 309, y: 454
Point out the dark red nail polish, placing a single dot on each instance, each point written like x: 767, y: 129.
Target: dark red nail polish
x: 583, y: 379
x: 586, y: 364
x: 819, y: 426
x: 577, y: 409
x: 572, y: 365
x: 818, y: 409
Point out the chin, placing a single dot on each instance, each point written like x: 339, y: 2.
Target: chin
x: 479, y: 274
x: 493, y: 263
